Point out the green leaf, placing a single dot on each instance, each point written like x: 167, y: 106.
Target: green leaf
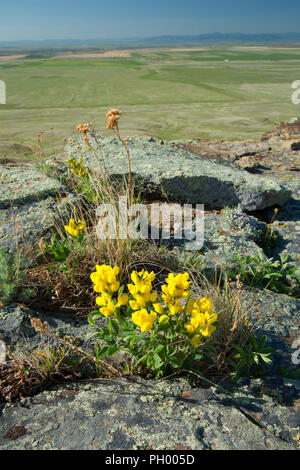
x: 230, y: 362
x: 91, y: 319
x: 241, y: 363
x: 256, y: 358
x: 265, y: 358
x: 115, y: 326
x: 262, y: 342
x: 198, y: 357
x: 121, y: 290
x: 112, y: 350
x: 238, y: 348
x: 268, y: 350
x: 174, y: 363
x: 107, y: 351
x: 253, y: 342
x: 157, y: 361
x: 132, y: 341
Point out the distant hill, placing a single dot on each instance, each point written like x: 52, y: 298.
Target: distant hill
x: 213, y: 38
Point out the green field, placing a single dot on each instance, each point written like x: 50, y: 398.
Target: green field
x: 235, y: 93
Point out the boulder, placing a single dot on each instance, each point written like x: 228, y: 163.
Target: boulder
x: 22, y: 185
x: 164, y: 169
x: 17, y: 332
x: 30, y: 203
x: 124, y: 414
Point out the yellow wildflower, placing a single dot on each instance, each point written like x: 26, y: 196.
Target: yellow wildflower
x: 175, y: 307
x: 106, y: 283
x: 202, y: 318
x: 175, y: 289
x: 103, y: 300
x: 109, y: 309
x: 122, y: 300
x: 105, y: 279
x: 141, y: 289
x: 77, y: 168
x: 144, y: 319
x: 158, y: 307
x: 164, y: 319
x: 195, y: 341
x: 176, y: 286
x: 74, y: 228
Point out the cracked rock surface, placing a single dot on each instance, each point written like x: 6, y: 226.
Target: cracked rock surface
x: 126, y: 415
x: 163, y: 168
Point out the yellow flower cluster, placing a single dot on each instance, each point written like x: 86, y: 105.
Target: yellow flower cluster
x: 202, y: 319
x: 142, y: 295
x: 74, y: 228
x: 176, y: 289
x: 106, y: 283
x: 143, y: 319
x: 145, y: 308
x: 77, y: 168
x: 141, y: 289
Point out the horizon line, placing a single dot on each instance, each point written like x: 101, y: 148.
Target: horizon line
x: 134, y: 38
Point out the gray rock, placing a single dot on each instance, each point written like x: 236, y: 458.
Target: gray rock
x: 30, y: 204
x: 17, y: 332
x: 224, y: 237
x: 277, y: 317
x: 183, y: 176
x: 125, y: 414
x: 22, y: 185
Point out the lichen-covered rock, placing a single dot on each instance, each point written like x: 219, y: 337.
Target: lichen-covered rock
x: 126, y: 414
x: 287, y: 224
x: 23, y: 185
x: 17, y: 332
x: 223, y: 239
x: 248, y: 225
x: 30, y: 205
x: 162, y: 168
x: 130, y: 413
x: 278, y: 317
x: 222, y: 151
x: 26, y: 224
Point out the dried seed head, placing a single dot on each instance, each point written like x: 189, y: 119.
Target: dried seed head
x: 39, y: 326
x: 113, y: 116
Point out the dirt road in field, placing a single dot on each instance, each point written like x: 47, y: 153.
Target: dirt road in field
x: 95, y: 55
x: 11, y: 57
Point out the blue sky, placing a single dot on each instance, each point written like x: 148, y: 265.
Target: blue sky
x: 44, y: 19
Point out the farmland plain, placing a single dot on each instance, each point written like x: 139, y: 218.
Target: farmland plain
x: 234, y: 93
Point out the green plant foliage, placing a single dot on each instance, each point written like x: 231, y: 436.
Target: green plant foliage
x: 11, y: 278
x: 266, y: 272
x: 61, y: 249
x: 288, y: 373
x: 269, y: 240
x: 251, y: 358
x: 161, y: 335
